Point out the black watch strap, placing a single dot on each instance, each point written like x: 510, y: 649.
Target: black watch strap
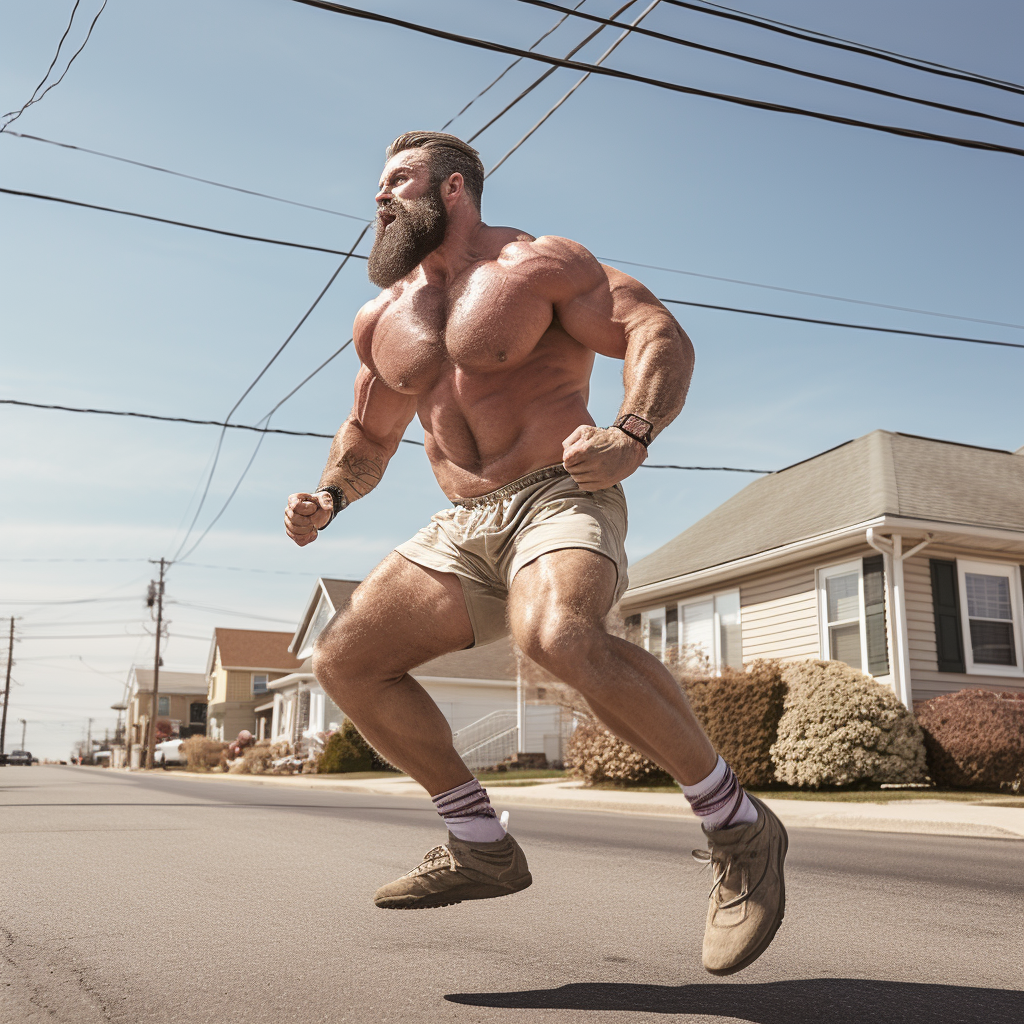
x: 635, y: 427
x: 338, y: 501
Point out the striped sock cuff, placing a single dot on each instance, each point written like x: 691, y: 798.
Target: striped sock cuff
x: 469, y: 800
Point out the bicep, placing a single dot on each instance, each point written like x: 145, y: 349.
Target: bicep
x: 381, y: 413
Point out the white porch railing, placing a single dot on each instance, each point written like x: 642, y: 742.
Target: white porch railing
x: 489, y: 740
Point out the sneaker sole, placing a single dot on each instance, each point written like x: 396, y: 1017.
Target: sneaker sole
x: 443, y: 899
x: 770, y: 934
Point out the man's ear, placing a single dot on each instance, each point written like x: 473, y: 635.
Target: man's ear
x: 454, y: 186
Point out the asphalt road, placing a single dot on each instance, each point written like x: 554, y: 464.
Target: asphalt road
x: 152, y: 898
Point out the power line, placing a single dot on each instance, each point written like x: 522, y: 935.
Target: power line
x: 13, y: 115
x: 815, y: 295
x: 484, y: 44
x: 495, y: 81
x: 824, y: 39
x: 837, y: 323
x: 600, y: 60
x: 190, y: 177
x: 760, y: 62
x: 181, y: 224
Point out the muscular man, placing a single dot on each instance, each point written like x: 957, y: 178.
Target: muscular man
x: 488, y: 335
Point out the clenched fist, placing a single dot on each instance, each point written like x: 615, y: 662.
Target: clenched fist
x: 599, y: 457
x: 306, y: 514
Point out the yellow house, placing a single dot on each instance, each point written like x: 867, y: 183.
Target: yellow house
x: 241, y: 666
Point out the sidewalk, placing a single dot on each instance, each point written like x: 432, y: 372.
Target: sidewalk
x: 936, y: 817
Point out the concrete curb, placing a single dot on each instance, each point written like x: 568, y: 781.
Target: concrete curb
x: 929, y: 817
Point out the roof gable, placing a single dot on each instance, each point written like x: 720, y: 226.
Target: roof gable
x: 254, y: 648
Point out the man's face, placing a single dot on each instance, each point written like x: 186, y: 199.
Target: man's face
x: 411, y: 218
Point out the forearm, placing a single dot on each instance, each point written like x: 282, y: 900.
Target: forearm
x: 658, y: 367
x: 356, y: 463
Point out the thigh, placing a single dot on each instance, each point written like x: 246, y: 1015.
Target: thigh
x: 400, y: 616
x: 571, y: 586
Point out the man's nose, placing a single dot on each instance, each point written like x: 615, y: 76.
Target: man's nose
x: 383, y: 196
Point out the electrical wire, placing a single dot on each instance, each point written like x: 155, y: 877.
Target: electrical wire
x: 488, y: 88
x: 12, y: 115
x: 760, y: 62
x: 824, y: 39
x: 815, y: 295
x: 838, y: 323
x: 180, y: 224
x: 190, y: 177
x: 484, y: 44
x: 544, y: 77
x: 600, y: 60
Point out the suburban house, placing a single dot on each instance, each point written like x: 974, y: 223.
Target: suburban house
x: 899, y: 555
x: 181, y: 707
x: 241, y: 666
x: 478, y: 691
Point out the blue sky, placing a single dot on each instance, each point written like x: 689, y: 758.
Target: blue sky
x: 270, y: 95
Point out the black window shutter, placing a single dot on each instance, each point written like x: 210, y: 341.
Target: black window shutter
x: 671, y: 624
x: 949, y: 643
x: 874, y: 616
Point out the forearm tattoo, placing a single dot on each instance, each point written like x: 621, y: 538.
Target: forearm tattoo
x: 362, y: 472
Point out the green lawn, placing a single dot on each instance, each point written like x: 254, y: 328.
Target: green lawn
x: 859, y: 796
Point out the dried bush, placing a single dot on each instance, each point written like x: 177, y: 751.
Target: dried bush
x: 257, y: 759
x: 202, y: 753
x: 839, y: 727
x: 595, y: 755
x: 740, y: 712
x: 975, y: 739
x: 347, y: 751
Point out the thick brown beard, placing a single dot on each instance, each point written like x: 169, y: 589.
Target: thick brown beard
x: 418, y: 229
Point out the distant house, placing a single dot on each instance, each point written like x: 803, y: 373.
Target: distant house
x: 467, y: 686
x: 241, y: 666
x: 899, y: 555
x: 181, y: 705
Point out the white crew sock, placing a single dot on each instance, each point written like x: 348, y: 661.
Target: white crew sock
x: 719, y: 800
x: 467, y: 812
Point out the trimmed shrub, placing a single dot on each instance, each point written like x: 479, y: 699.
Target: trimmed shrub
x: 347, y: 751
x: 975, y: 739
x: 740, y: 712
x: 839, y: 727
x: 595, y: 755
x: 202, y: 753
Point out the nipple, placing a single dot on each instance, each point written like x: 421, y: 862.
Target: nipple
x: 502, y: 357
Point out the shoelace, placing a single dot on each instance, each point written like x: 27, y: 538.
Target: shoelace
x: 705, y: 857
x: 439, y: 854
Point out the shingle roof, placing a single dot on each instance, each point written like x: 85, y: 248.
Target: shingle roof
x: 495, y: 661
x: 171, y: 682
x: 882, y: 473
x: 339, y: 591
x: 254, y: 648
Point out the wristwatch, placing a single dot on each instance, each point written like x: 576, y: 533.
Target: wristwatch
x: 338, y: 501
x: 635, y: 427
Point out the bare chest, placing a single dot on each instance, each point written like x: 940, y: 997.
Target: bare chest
x: 485, y: 322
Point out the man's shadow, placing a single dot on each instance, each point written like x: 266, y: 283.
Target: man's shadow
x: 835, y: 1000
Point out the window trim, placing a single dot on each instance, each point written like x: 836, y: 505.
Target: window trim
x: 252, y: 684
x: 1012, y: 571
x: 645, y: 630
x: 160, y: 698
x: 843, y: 569
x: 659, y: 613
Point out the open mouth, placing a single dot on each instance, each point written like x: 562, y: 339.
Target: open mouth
x: 384, y: 218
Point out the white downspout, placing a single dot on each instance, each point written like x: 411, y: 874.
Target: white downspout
x: 520, y: 711
x: 901, y: 641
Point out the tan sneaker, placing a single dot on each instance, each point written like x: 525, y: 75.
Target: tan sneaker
x: 748, y: 899
x: 459, y: 871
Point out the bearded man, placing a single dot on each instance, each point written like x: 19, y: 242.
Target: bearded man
x: 488, y: 335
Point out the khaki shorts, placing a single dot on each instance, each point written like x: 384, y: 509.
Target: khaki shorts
x: 485, y: 541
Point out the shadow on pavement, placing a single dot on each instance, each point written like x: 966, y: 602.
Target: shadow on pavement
x: 837, y: 1000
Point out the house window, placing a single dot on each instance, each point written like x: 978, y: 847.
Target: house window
x: 259, y: 684
x: 703, y: 633
x: 851, y: 611
x: 990, y: 597
x: 163, y: 705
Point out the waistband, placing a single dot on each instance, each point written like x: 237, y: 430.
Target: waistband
x: 492, y: 498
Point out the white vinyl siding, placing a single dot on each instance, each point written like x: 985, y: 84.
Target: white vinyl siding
x: 780, y: 615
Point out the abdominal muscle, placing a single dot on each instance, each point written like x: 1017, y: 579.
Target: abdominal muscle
x: 486, y: 429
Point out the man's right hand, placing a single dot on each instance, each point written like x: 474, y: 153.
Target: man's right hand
x: 306, y: 514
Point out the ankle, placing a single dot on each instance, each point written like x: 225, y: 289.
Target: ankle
x: 467, y: 812
x: 719, y: 800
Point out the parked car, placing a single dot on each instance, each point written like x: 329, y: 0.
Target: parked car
x: 168, y: 753
x: 20, y: 757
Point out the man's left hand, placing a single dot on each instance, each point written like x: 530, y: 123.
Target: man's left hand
x: 599, y: 457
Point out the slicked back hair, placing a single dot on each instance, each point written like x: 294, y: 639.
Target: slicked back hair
x: 448, y: 155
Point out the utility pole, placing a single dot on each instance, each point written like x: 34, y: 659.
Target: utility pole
x: 7, y: 688
x: 23, y: 725
x: 156, y: 596
x: 88, y: 741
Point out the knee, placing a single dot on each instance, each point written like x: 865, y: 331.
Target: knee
x: 344, y: 666
x: 564, y: 644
